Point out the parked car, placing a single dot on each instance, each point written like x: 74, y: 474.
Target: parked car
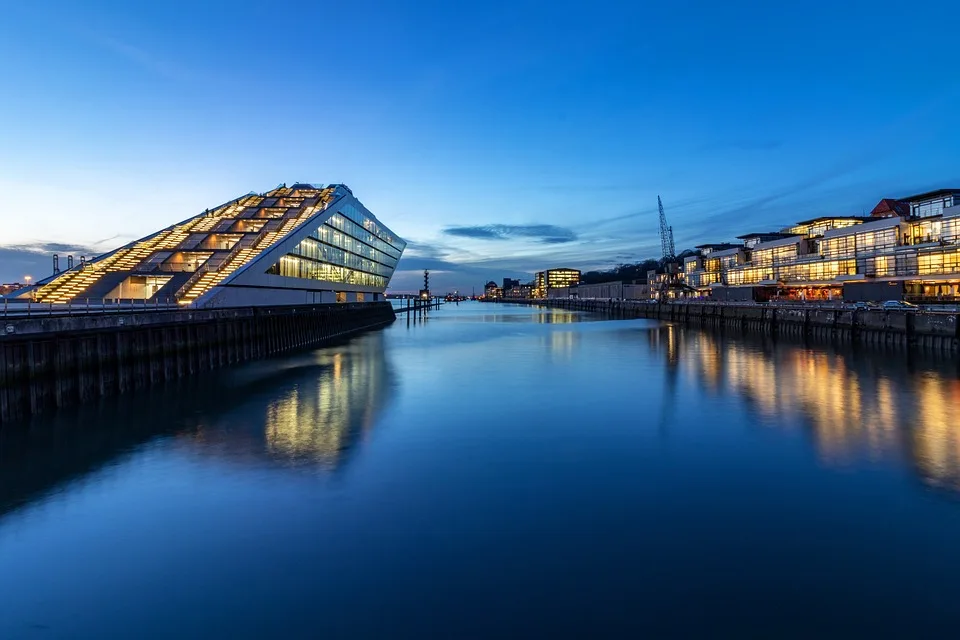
x: 898, y: 304
x: 862, y: 306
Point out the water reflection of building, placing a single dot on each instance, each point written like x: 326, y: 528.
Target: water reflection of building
x: 560, y: 343
x: 310, y: 409
x: 320, y: 421
x: 330, y: 401
x: 855, y: 403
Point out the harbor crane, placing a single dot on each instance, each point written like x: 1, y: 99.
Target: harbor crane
x: 666, y: 236
x: 671, y: 267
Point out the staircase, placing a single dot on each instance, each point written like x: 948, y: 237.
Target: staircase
x: 74, y: 282
x: 271, y: 233
x: 210, y: 279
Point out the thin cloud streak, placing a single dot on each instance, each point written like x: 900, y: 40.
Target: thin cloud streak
x: 544, y: 233
x: 146, y: 60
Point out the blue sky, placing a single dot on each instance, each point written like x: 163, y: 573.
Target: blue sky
x: 498, y: 138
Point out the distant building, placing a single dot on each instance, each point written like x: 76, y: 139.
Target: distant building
x: 10, y: 288
x: 510, y: 283
x: 519, y: 292
x: 605, y: 291
x: 889, y: 207
x: 553, y: 278
x: 491, y: 291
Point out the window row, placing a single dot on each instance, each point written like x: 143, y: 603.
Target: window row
x: 703, y: 278
x: 816, y: 271
x: 749, y: 275
x: 332, y: 237
x: 857, y: 243
x: 775, y: 255
x: 296, y: 267
x: 354, y: 230
x: 935, y: 263
x: 316, y: 250
x: 352, y: 213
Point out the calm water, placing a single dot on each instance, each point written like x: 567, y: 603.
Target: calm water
x: 498, y: 471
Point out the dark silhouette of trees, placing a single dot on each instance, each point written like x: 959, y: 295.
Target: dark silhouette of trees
x: 627, y: 272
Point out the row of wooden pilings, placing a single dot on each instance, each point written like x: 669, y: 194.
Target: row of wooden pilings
x: 417, y: 306
x: 55, y: 362
x: 907, y: 328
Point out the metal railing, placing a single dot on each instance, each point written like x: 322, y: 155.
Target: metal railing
x: 30, y: 308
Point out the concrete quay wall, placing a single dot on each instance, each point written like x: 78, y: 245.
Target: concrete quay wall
x: 58, y: 361
x: 928, y: 330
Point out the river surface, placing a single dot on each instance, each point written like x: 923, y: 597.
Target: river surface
x: 498, y: 471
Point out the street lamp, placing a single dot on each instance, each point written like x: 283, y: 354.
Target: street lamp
x: 27, y: 279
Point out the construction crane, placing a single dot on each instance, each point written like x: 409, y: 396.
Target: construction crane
x: 666, y: 236
x: 671, y: 268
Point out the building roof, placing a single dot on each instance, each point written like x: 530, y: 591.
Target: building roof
x: 873, y: 225
x: 771, y: 235
x: 726, y: 252
x: 780, y: 242
x: 719, y: 246
x: 824, y: 218
x: 930, y: 194
x: 890, y: 207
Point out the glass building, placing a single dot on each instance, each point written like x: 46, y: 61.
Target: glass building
x: 554, y: 278
x: 293, y: 245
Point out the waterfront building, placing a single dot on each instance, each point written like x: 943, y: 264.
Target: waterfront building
x: 510, y: 283
x: 519, y: 292
x: 552, y: 278
x: 6, y: 289
x: 617, y: 290
x: 491, y: 291
x: 561, y: 293
x: 906, y: 248
x: 292, y: 245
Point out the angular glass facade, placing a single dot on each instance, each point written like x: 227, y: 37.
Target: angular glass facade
x: 222, y: 256
x: 350, y: 247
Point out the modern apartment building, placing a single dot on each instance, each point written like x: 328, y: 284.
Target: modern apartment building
x: 906, y: 248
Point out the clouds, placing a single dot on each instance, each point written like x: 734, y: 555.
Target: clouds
x: 48, y: 248
x: 35, y: 259
x: 544, y: 233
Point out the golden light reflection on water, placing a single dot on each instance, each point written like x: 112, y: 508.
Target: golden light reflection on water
x: 311, y: 409
x: 322, y: 418
x: 855, y: 404
x: 560, y: 343
x: 936, y: 437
